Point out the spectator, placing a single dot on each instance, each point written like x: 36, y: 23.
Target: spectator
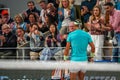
x: 6, y: 19
x: 32, y: 19
x: 89, y: 3
x: 55, y: 3
x: 114, y: 23
x: 0, y: 24
x: 51, y: 10
x: 31, y: 9
x: 101, y: 4
x: 96, y: 27
x: 22, y: 41
x: 52, y: 40
x: 85, y: 14
x: 108, y: 34
x: 22, y: 37
x: 49, y: 19
x: 77, y: 4
x: 8, y: 41
x: 19, y: 22
x: 43, y: 5
x: 65, y: 15
x: 36, y: 40
x: 118, y: 5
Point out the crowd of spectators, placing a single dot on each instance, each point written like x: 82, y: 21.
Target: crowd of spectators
x: 49, y: 26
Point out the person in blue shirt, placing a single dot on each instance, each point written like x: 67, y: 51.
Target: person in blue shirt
x: 78, y: 40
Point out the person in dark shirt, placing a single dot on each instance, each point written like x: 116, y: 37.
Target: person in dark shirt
x: 89, y: 3
x: 31, y: 9
x: 8, y: 43
x: 85, y: 14
x: 55, y: 2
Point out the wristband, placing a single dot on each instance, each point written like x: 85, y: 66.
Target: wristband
x: 92, y: 54
x: 65, y: 57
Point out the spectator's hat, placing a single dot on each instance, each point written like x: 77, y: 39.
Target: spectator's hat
x: 4, y: 12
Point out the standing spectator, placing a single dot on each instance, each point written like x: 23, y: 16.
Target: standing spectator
x: 77, y: 4
x: 8, y: 41
x: 78, y: 53
x: 115, y: 24
x: 55, y: 3
x: 51, y: 10
x: 85, y: 14
x: 31, y: 9
x: 101, y: 4
x: 89, y: 3
x: 43, y: 5
x: 96, y: 27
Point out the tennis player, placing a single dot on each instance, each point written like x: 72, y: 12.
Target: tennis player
x: 78, y: 40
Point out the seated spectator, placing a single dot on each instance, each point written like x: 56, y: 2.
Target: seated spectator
x: 22, y: 41
x: 51, y: 44
x: 19, y: 22
x: 22, y: 37
x: 8, y: 41
x: 6, y: 19
x: 32, y: 19
x: 45, y: 25
x: 52, y: 40
x: 31, y: 9
x: 49, y: 19
x: 36, y: 40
